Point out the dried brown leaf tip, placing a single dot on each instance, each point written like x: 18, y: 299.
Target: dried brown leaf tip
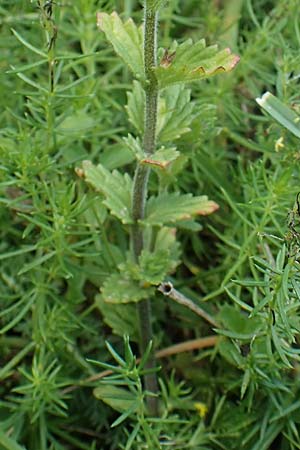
x: 235, y: 59
x: 79, y: 172
x: 209, y: 208
x: 167, y: 58
x: 99, y: 20
x: 155, y: 162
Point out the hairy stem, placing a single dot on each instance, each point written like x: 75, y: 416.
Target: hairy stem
x: 140, y: 188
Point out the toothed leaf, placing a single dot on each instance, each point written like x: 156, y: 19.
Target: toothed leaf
x: 135, y: 106
x: 126, y: 39
x: 190, y: 61
x: 175, y: 113
x: 115, y: 187
x: 172, y: 208
x: 154, y: 266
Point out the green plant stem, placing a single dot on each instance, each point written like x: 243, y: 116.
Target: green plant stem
x: 140, y: 189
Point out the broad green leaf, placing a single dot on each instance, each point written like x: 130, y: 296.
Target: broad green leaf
x: 171, y: 208
x: 121, y: 288
x: 77, y: 123
x: 154, y: 266
x: 190, y: 61
x: 121, y: 318
x: 237, y: 322
x: 280, y: 112
x: 117, y: 398
x: 115, y: 187
x: 175, y: 113
x: 126, y: 39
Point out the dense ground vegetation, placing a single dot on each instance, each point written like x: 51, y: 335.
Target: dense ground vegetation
x: 64, y: 96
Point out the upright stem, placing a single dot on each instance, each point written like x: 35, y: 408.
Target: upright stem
x: 140, y: 187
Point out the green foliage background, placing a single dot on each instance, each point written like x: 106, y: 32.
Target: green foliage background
x: 58, y: 244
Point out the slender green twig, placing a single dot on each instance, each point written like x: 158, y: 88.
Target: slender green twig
x: 139, y: 195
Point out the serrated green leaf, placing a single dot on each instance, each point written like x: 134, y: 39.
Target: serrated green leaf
x: 154, y: 266
x: 171, y: 208
x: 190, y: 61
x: 117, y: 398
x: 120, y: 288
x: 280, y: 112
x: 166, y: 239
x: 126, y: 39
x: 135, y: 106
x: 175, y: 113
x: 115, y: 187
x: 135, y: 146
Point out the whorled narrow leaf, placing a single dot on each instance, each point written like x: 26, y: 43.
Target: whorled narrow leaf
x: 115, y: 187
x: 172, y: 208
x: 190, y: 61
x: 280, y: 112
x: 126, y: 39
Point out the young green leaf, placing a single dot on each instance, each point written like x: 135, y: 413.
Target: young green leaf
x: 120, y: 288
x: 126, y: 39
x: 154, y: 266
x: 280, y: 112
x: 171, y: 208
x: 117, y: 398
x: 190, y: 61
x: 115, y: 187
